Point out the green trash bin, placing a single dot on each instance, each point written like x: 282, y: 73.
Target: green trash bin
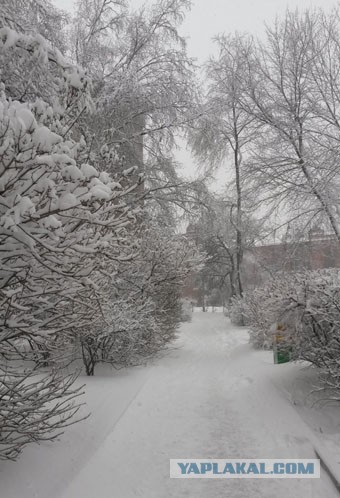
x: 282, y: 356
x: 281, y: 349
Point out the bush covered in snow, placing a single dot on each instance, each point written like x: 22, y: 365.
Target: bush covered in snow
x: 311, y: 304
x: 63, y: 230
x: 85, y: 273
x: 264, y: 307
x: 306, y: 306
x: 144, y: 305
x: 186, y: 310
x: 236, y: 311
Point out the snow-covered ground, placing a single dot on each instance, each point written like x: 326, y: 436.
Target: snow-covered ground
x: 208, y: 309
x: 211, y: 397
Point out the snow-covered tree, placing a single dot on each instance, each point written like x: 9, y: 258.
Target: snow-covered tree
x: 292, y: 93
x: 213, y: 228
x: 144, y: 306
x: 225, y: 131
x: 144, y: 86
x: 63, y: 230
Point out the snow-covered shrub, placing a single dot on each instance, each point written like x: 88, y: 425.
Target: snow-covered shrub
x: 63, y: 230
x: 312, y: 316
x: 305, y: 306
x: 263, y: 308
x: 34, y: 408
x: 75, y: 281
x: 144, y: 308
x: 177, y: 258
x: 260, y: 309
x: 236, y: 311
x: 61, y: 223
x: 186, y: 310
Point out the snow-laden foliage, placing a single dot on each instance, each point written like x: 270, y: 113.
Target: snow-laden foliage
x: 310, y: 312
x: 213, y: 227
x: 263, y: 308
x: 34, y: 408
x: 79, y: 278
x: 237, y: 312
x: 142, y: 74
x: 186, y: 310
x: 305, y: 307
x: 143, y: 86
x: 33, y: 68
x: 63, y: 229
x: 144, y: 309
x: 61, y: 223
x: 292, y: 93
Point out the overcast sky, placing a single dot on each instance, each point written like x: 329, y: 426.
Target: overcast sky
x: 211, y: 17
x: 207, y: 18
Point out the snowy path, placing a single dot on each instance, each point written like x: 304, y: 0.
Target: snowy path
x: 210, y: 398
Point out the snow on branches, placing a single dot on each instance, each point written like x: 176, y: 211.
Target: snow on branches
x: 80, y: 279
x: 306, y: 304
x: 144, y: 306
x: 62, y: 223
x: 60, y: 219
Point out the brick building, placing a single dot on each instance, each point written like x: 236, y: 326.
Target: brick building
x: 317, y: 251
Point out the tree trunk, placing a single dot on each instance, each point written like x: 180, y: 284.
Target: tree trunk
x: 239, y: 235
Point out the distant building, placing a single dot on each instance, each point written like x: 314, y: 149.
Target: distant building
x: 318, y: 251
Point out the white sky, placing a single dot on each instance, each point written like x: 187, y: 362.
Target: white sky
x: 208, y: 18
